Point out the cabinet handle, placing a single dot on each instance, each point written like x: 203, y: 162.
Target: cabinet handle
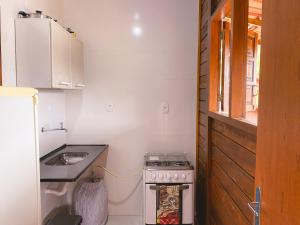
x: 80, y: 85
x: 65, y: 83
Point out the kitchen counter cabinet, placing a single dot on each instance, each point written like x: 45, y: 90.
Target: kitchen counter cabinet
x: 69, y: 173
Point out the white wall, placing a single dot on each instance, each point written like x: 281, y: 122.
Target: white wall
x: 135, y: 74
x: 53, y: 8
x: 51, y: 111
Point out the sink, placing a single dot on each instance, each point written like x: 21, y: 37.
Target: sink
x: 67, y: 158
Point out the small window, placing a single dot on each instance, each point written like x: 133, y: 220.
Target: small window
x: 235, y: 47
x: 253, y: 60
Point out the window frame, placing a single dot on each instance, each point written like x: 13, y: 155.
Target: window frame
x: 238, y: 10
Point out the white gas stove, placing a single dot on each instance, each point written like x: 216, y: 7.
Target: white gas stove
x: 168, y: 189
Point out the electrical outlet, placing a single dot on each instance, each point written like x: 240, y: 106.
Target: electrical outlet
x: 109, y: 107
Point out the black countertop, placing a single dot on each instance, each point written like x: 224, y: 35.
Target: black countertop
x: 69, y: 173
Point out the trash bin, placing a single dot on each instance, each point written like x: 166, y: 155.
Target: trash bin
x: 91, y: 202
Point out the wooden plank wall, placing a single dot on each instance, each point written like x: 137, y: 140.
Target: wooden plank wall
x: 232, y: 172
x: 202, y: 144
x: 226, y: 154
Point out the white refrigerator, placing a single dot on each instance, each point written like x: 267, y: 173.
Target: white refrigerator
x: 19, y: 155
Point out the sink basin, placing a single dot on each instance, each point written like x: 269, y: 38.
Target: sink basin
x: 67, y: 158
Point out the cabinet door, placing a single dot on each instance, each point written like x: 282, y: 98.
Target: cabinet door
x: 33, y: 53
x: 61, y: 75
x: 77, y: 68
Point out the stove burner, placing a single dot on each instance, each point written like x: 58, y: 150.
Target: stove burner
x: 175, y: 161
x: 178, y: 163
x: 154, y: 164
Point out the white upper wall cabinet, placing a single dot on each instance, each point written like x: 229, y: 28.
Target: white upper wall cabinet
x: 47, y: 55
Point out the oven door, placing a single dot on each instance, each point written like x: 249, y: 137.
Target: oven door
x: 161, y: 207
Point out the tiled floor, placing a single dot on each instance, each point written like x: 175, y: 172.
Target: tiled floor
x: 124, y: 220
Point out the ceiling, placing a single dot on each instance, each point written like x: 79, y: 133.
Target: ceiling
x: 255, y: 16
x: 255, y: 9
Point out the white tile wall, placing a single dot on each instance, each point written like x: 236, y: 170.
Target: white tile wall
x: 51, y: 111
x: 138, y: 55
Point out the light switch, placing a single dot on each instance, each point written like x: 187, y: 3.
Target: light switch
x: 165, y: 108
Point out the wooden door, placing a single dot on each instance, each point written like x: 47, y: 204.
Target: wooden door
x: 278, y: 144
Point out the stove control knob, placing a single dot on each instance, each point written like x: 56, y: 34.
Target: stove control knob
x: 183, y: 176
x: 153, y: 176
x: 175, y: 176
x: 161, y: 176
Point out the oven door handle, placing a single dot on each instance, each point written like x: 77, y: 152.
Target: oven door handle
x: 159, y: 188
x: 184, y: 187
